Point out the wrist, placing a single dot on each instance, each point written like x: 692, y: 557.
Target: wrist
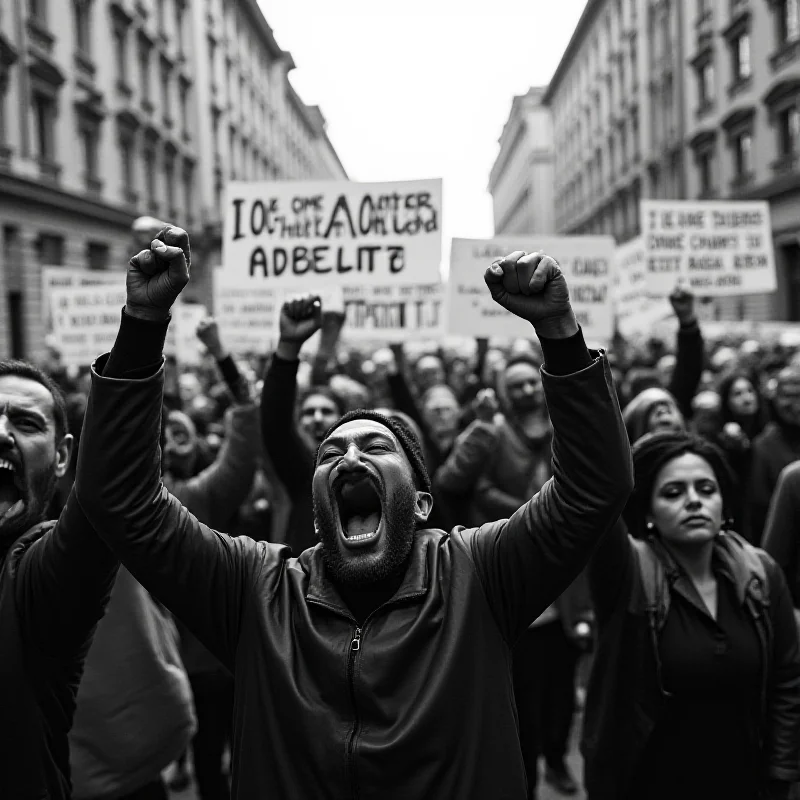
x: 561, y: 327
x: 687, y: 322
x: 218, y: 353
x: 288, y: 350
x: 147, y: 313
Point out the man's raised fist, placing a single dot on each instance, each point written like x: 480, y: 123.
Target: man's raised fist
x: 157, y: 276
x: 301, y: 318
x: 532, y: 287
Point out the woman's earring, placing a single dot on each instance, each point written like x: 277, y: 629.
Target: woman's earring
x: 650, y: 527
x: 727, y: 525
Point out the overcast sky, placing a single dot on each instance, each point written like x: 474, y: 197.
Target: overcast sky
x: 422, y: 88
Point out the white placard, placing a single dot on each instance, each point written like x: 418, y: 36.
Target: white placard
x: 85, y: 321
x: 309, y: 234
x: 393, y: 313
x: 247, y: 317
x: 182, y: 341
x: 716, y: 249
x: 635, y: 310
x: 587, y: 263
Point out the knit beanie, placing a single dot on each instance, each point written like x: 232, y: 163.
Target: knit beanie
x: 408, y: 441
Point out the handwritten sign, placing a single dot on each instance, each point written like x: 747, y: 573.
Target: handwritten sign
x: 247, y: 316
x: 182, y: 341
x: 284, y: 234
x: 716, y: 249
x: 393, y: 313
x: 85, y: 321
x: 586, y: 261
x: 635, y: 310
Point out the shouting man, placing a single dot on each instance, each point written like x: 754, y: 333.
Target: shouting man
x: 55, y: 578
x: 378, y: 663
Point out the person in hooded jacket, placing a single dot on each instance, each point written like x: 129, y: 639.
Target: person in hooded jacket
x: 362, y: 666
x: 695, y: 686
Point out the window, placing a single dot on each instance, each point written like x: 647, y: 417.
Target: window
x: 160, y: 14
x: 89, y: 140
x: 705, y: 171
x: 165, y: 92
x: 183, y: 100
x: 144, y: 68
x: 121, y: 54
x: 788, y: 20
x: 44, y: 113
x: 50, y: 249
x: 38, y: 10
x: 789, y: 131
x: 150, y: 179
x: 179, y: 26
x: 97, y: 254
x: 741, y: 57
x: 126, y: 162
x: 705, y: 84
x: 169, y: 184
x: 743, y: 154
x: 188, y: 192
x: 82, y: 11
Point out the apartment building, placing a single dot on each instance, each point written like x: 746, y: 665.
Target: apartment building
x: 521, y: 180
x: 110, y: 109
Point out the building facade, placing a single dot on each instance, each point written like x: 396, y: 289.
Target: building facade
x: 682, y: 100
x: 521, y: 180
x: 110, y: 109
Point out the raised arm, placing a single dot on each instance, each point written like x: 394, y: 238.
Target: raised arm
x: 285, y: 447
x: 202, y: 576
x: 525, y: 562
x: 690, y: 352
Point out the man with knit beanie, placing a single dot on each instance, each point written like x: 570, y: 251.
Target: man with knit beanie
x: 376, y: 664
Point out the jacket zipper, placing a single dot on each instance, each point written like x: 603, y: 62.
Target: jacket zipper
x: 355, y: 646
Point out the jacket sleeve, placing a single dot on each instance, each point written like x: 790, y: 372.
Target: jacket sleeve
x: 524, y: 563
x: 611, y: 572
x: 63, y: 584
x: 688, y: 367
x: 780, y: 532
x: 493, y: 502
x: 288, y: 452
x: 467, y: 459
x: 220, y: 489
x: 201, y: 576
x: 782, y: 734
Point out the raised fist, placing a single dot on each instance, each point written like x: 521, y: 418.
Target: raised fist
x: 486, y: 405
x: 682, y: 301
x: 301, y: 318
x: 208, y: 334
x: 157, y: 276
x: 531, y: 286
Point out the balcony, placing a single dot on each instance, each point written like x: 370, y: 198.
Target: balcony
x: 786, y: 164
x: 84, y: 69
x: 40, y: 38
x: 787, y: 54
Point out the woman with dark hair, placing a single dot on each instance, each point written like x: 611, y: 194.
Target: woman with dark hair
x: 695, y: 687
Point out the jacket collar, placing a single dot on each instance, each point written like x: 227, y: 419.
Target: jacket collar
x: 322, y: 590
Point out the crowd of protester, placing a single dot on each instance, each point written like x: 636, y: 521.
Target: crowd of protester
x: 718, y: 420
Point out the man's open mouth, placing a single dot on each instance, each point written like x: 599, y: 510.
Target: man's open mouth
x: 360, y: 510
x: 11, y: 497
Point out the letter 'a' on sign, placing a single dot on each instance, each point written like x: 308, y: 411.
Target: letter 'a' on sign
x: 282, y: 234
x: 715, y: 248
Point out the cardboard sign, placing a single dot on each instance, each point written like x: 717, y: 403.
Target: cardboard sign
x: 635, y: 310
x: 716, y: 249
x: 247, y: 317
x: 310, y: 234
x: 586, y: 261
x: 182, y: 341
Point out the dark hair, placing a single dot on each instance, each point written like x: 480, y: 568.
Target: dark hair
x: 24, y: 369
x: 407, y: 438
x: 724, y: 389
x: 652, y: 452
x: 523, y: 358
x: 325, y: 391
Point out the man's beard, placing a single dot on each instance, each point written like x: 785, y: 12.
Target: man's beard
x: 360, y: 570
x: 38, y: 495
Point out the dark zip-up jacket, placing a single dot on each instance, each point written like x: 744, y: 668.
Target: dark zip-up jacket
x: 626, y: 697
x: 415, y: 702
x: 55, y: 581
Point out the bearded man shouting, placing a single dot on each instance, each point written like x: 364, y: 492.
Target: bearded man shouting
x: 378, y: 663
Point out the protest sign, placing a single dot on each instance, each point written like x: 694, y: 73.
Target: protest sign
x: 393, y: 313
x: 85, y: 321
x: 247, y: 316
x: 635, y: 310
x: 289, y: 234
x: 586, y: 261
x: 182, y: 341
x: 716, y: 249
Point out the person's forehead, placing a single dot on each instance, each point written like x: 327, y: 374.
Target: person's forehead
x: 27, y: 394
x: 360, y: 428
x: 429, y: 362
x: 318, y: 401
x: 686, y: 467
x: 522, y: 371
x: 741, y: 384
